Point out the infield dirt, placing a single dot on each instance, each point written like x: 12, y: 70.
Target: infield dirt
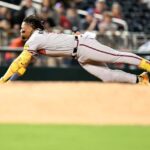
x: 74, y: 103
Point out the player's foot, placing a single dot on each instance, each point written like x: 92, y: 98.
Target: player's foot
x: 144, y: 78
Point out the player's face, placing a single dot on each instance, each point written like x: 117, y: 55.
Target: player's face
x: 26, y: 31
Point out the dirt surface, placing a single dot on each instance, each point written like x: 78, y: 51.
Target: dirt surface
x: 74, y: 103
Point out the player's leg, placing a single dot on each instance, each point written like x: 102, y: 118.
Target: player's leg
x: 107, y: 75
x: 92, y: 50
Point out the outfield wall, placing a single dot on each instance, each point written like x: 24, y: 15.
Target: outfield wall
x: 59, y: 74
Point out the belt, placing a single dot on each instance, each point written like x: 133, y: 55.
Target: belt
x: 76, y: 48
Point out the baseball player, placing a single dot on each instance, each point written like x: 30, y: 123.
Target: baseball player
x: 91, y: 55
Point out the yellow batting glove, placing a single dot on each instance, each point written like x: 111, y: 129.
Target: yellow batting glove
x: 2, y: 80
x: 18, y: 66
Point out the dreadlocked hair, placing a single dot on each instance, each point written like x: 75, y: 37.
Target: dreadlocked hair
x: 35, y: 22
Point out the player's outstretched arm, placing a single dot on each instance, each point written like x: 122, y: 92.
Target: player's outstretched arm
x: 19, y: 66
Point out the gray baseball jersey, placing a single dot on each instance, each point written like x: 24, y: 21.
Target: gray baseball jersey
x: 51, y: 44
x: 91, y: 54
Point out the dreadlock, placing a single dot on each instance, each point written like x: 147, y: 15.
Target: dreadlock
x: 35, y: 22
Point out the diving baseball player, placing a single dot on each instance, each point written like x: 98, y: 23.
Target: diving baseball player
x: 91, y: 55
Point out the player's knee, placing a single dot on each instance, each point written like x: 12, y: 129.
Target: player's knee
x: 108, y: 78
x: 24, y: 59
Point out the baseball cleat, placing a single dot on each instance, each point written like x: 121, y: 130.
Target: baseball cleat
x: 144, y: 78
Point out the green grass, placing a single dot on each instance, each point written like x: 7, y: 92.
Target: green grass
x: 74, y: 137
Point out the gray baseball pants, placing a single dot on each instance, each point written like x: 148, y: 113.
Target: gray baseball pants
x: 93, y: 57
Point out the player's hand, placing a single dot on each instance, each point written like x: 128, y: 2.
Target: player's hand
x: 88, y: 34
x: 2, y: 80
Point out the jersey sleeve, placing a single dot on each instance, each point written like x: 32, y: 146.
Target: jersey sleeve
x: 33, y: 44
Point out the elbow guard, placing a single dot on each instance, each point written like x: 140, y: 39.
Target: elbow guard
x: 24, y: 59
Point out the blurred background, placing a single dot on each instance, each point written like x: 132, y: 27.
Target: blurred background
x: 75, y: 115
x: 121, y: 24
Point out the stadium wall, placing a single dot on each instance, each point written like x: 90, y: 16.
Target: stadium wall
x: 59, y: 74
